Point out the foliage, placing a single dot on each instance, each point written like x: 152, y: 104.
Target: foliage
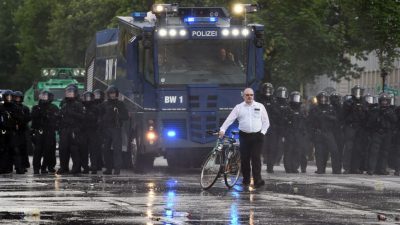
x: 303, y: 38
x: 8, y: 35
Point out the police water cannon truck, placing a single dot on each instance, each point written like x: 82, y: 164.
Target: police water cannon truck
x: 55, y: 80
x: 180, y: 71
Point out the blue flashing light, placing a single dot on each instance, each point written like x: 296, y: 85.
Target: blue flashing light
x: 139, y: 16
x: 171, y: 133
x: 201, y: 19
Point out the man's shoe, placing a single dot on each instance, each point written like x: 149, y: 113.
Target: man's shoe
x: 94, y: 172
x: 44, y: 172
x: 319, y: 172
x: 107, y: 172
x: 51, y: 170
x: 337, y: 172
x: 85, y: 171
x: 370, y: 173
x: 259, y: 183
x: 117, y: 172
x: 36, y: 172
x: 346, y: 172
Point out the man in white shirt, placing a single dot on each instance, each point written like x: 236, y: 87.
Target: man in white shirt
x: 253, y: 124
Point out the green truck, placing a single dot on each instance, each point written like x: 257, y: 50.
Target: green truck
x: 55, y: 80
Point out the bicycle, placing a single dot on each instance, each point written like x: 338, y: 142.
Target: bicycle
x: 223, y: 159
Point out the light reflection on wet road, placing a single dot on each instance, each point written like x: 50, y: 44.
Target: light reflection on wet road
x: 162, y: 197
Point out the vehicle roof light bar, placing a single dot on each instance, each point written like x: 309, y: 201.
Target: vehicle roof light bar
x: 197, y: 20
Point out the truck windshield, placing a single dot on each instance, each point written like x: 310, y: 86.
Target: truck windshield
x: 59, y: 93
x: 202, y: 61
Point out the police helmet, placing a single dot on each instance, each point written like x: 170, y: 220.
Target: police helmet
x: 8, y: 96
x: 295, y: 97
x: 88, y: 96
x: 384, y: 99
x: 357, y: 91
x: 267, y: 89
x: 323, y: 98
x: 112, y: 90
x: 98, y: 94
x: 335, y: 98
x: 369, y: 99
x: 18, y: 96
x: 376, y: 99
x: 44, y: 96
x: 281, y: 92
x: 71, y: 91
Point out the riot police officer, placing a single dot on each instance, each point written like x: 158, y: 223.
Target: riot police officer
x: 89, y: 145
x: 266, y: 96
x: 13, y: 118
x: 382, y: 120
x: 322, y: 120
x: 282, y: 109
x: 71, y: 119
x: 3, y: 131
x: 365, y: 134
x: 336, y: 101
x: 99, y: 97
x: 44, y: 125
x: 113, y: 113
x: 354, y: 116
x: 297, y: 138
x: 23, y: 131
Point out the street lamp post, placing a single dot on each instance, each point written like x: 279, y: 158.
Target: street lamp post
x: 383, y: 75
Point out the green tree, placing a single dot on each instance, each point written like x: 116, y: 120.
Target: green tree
x: 9, y: 57
x: 378, y: 23
x: 302, y: 42
x: 33, y: 19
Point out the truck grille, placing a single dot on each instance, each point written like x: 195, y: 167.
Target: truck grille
x: 200, y: 122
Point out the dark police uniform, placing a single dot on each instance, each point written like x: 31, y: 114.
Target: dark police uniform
x: 322, y: 120
x: 71, y: 119
x: 3, y: 131
x: 44, y: 125
x: 253, y: 124
x: 89, y: 133
x: 269, y: 152
x: 383, y: 120
x: 297, y: 140
x: 354, y: 116
x: 113, y: 113
x: 12, y: 120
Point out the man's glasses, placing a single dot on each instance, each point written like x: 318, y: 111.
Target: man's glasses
x: 249, y: 94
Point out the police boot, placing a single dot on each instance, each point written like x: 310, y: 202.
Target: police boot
x: 117, y: 172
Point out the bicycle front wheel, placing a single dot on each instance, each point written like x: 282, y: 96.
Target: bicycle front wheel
x: 232, y: 168
x: 211, y: 170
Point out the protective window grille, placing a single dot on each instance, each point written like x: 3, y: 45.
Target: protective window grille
x: 90, y: 73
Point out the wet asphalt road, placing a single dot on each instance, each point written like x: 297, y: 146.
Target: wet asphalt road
x: 165, y: 197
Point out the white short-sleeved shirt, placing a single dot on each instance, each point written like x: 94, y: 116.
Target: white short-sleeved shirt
x: 252, y: 118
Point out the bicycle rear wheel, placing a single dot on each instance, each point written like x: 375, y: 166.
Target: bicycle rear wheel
x: 232, y: 169
x: 211, y: 170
